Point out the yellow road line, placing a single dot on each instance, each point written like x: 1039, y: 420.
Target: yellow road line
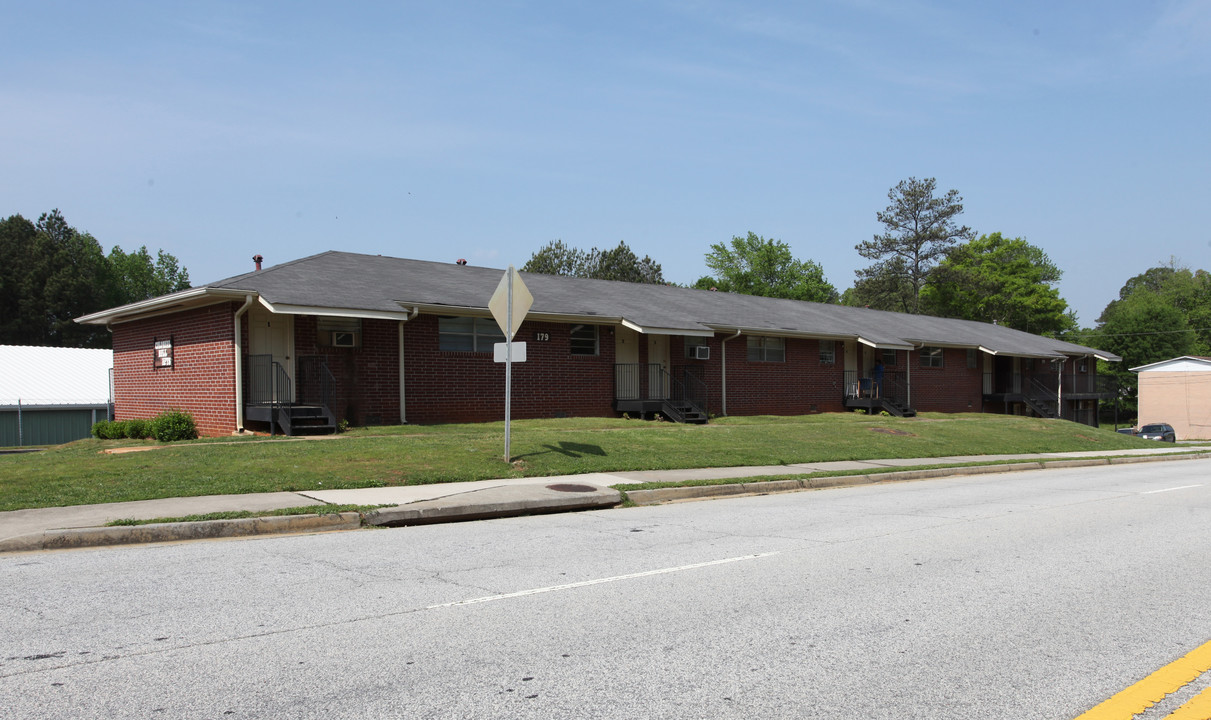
x: 1152, y: 689
x: 1197, y: 708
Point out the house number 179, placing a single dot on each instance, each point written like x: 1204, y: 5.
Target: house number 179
x: 542, y: 337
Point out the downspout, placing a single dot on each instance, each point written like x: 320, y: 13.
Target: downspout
x: 239, y: 364
x: 908, y: 377
x: 723, y: 356
x: 1059, y: 389
x: 403, y: 413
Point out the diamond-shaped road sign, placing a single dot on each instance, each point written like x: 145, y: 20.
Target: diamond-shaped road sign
x: 499, y: 304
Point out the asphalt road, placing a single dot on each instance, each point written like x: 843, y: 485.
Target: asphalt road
x: 1025, y: 595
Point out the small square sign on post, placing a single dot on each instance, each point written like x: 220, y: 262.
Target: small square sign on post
x: 509, y: 305
x: 501, y: 352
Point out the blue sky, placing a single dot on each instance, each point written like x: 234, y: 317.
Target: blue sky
x: 484, y: 130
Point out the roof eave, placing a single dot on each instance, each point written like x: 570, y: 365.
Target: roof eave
x: 173, y: 302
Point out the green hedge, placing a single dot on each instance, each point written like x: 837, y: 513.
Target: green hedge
x: 168, y: 426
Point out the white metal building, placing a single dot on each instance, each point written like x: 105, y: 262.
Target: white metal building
x: 52, y: 395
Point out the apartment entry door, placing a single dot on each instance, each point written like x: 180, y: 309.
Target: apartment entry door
x: 270, y: 334
x: 658, y: 367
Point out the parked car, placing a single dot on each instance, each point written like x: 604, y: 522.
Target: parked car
x: 1158, y: 431
x: 1126, y: 431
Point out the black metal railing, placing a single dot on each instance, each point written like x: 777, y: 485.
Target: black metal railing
x: 1041, y: 396
x: 690, y: 389
x: 650, y: 381
x: 893, y: 386
x: 266, y: 381
x: 1104, y: 386
x: 1101, y: 385
x: 316, y: 384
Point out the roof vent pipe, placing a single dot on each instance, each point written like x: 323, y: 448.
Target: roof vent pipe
x: 257, y: 259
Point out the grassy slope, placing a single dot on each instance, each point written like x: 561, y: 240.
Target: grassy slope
x: 78, y: 473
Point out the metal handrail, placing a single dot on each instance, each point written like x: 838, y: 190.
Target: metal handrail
x: 316, y: 383
x: 1043, y: 394
x: 651, y: 381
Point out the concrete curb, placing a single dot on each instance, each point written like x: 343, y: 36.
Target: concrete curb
x: 497, y: 502
x: 174, y: 532
x: 702, y: 492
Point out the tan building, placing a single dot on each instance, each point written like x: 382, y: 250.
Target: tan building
x: 1177, y: 392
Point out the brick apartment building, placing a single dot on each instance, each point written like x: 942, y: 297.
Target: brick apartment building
x: 299, y: 346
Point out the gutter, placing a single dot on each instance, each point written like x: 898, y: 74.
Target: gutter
x: 239, y: 363
x: 160, y: 305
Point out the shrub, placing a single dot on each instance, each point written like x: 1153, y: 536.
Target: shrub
x: 136, y: 429
x: 100, y: 429
x: 172, y: 425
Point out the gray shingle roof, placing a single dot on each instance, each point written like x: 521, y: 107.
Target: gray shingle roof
x: 350, y: 282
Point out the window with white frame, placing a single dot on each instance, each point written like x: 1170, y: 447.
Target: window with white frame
x: 931, y: 356
x: 766, y: 349
x: 828, y: 352
x: 889, y: 357
x: 583, y: 340
x: 467, y: 334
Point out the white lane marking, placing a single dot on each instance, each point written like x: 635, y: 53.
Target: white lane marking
x: 585, y: 583
x: 1183, y: 487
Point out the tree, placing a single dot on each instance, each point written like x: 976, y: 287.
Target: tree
x: 999, y: 280
x: 51, y: 274
x: 754, y: 265
x: 134, y: 277
x: 620, y: 263
x: 1187, y: 291
x: 1164, y: 312
x: 69, y: 268
x: 1141, y: 328
x: 555, y: 258
x: 919, y: 230
x: 19, y: 320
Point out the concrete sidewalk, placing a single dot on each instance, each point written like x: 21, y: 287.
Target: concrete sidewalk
x: 83, y: 526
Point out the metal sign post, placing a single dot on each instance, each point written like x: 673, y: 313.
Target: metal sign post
x: 509, y: 305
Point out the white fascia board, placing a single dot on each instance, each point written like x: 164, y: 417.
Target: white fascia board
x: 566, y: 318
x: 484, y: 312
x: 666, y: 331
x: 1107, y: 358
x: 886, y: 345
x: 780, y: 332
x: 283, y: 309
x: 918, y: 343
x: 452, y: 310
x: 1033, y: 356
x: 161, y: 305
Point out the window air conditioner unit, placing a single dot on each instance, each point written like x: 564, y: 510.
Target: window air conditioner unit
x: 344, y: 339
x: 702, y: 352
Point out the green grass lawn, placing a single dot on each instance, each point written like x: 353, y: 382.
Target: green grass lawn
x: 81, y: 473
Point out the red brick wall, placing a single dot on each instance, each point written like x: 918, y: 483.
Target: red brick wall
x: 952, y: 388
x: 800, y: 385
x: 201, y: 380
x: 470, y: 387
x: 367, y: 376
